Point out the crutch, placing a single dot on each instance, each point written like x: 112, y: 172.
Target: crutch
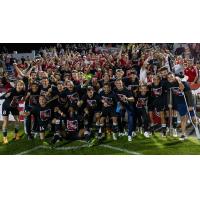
x: 195, y: 125
x: 170, y: 113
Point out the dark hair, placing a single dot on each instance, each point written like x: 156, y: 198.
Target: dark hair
x: 163, y: 69
x: 107, y: 84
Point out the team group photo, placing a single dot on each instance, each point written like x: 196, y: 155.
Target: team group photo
x: 100, y: 98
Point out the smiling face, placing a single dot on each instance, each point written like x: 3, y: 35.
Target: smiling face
x: 42, y: 101
x: 156, y: 80
x: 19, y: 86
x: 70, y: 86
x: 171, y: 78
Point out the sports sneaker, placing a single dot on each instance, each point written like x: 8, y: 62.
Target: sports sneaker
x: 114, y: 136
x: 175, y: 134
x: 146, y: 134
x: 130, y: 138
x: 5, y: 140
x: 134, y: 134
x: 182, y: 138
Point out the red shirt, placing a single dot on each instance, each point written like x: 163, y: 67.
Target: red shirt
x: 191, y: 72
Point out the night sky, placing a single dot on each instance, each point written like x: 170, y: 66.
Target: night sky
x: 23, y: 47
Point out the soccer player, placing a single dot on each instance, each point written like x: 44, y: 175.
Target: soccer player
x: 90, y: 105
x: 109, y: 103
x: 10, y: 104
x: 126, y: 100
x: 178, y: 88
x: 157, y: 102
x: 44, y: 114
x: 142, y: 101
x: 164, y: 81
x: 31, y: 99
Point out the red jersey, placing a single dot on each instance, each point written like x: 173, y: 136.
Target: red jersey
x: 191, y: 72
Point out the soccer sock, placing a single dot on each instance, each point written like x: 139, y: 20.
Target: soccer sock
x: 101, y: 129
x: 164, y: 127
x: 4, y: 132
x: 115, y: 128
x: 174, y: 122
x: 16, y: 128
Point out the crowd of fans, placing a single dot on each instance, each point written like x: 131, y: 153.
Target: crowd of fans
x: 82, y: 86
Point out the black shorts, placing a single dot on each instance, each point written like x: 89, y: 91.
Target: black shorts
x: 42, y: 126
x: 109, y: 112
x: 157, y: 105
x: 7, y: 109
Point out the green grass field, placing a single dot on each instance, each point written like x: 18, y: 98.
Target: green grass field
x: 155, y: 145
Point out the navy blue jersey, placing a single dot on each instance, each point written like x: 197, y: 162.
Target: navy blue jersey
x: 109, y: 98
x: 177, y: 94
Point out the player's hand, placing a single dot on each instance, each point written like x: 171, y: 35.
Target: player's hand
x: 79, y: 103
x: 105, y: 104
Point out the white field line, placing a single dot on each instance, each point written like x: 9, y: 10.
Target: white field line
x: 29, y: 150
x: 120, y: 149
x: 117, y: 148
x: 46, y: 147
x: 79, y: 147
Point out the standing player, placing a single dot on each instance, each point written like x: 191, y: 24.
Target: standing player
x: 157, y: 102
x: 109, y: 103
x: 10, y: 104
x: 32, y: 99
x: 126, y: 100
x: 142, y: 101
x: 178, y: 89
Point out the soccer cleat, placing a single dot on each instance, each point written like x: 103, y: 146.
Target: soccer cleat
x: 5, y: 140
x: 175, y: 134
x: 146, y: 134
x: 114, y: 136
x: 16, y: 137
x: 94, y: 142
x: 45, y: 143
x: 130, y: 138
x: 182, y: 138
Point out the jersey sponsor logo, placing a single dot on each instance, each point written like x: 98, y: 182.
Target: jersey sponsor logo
x: 176, y: 91
x: 107, y: 100
x: 15, y: 101
x: 157, y: 91
x: 72, y: 125
x: 92, y: 102
x: 73, y: 98
x: 45, y: 115
x: 141, y: 102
